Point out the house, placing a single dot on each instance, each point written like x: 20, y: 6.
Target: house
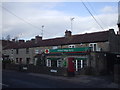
x: 86, y: 50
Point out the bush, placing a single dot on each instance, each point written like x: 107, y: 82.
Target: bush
x: 6, y: 61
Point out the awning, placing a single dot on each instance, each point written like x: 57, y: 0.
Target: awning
x: 53, y: 58
x: 80, y: 58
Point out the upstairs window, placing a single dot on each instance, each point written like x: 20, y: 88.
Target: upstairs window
x: 93, y: 46
x: 54, y: 47
x: 27, y: 50
x: 17, y: 51
x: 71, y: 46
x: 12, y: 51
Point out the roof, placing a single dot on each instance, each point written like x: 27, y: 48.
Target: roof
x: 74, y: 39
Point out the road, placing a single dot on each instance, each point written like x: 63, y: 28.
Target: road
x: 14, y: 79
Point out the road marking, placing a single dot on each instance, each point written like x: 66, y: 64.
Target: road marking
x: 4, y: 84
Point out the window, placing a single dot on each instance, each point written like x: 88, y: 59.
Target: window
x: 71, y: 46
x: 36, y: 51
x: 79, y: 64
x: 53, y: 63
x: 17, y: 51
x: 54, y: 47
x: 48, y: 64
x: 16, y: 60
x: 35, y: 61
x: 93, y: 46
x: 20, y: 61
x: 27, y: 60
x: 84, y: 63
x: 59, y: 63
x: 27, y: 50
x: 11, y: 51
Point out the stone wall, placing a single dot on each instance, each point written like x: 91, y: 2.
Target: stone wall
x: 37, y: 69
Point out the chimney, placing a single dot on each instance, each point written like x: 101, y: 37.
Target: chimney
x: 21, y: 41
x: 118, y: 29
x: 13, y: 40
x: 68, y: 33
x: 33, y: 40
x: 38, y: 39
x: 118, y: 18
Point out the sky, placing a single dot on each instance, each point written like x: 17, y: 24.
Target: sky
x: 25, y: 19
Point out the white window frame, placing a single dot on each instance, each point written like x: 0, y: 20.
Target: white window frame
x: 36, y: 51
x: 35, y: 61
x: 59, y: 63
x: 71, y: 46
x: 93, y: 48
x: 12, y: 50
x: 17, y: 60
x: 48, y: 63
x: 55, y: 47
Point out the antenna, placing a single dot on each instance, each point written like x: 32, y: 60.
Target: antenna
x: 118, y: 18
x: 42, y: 30
x: 72, y: 23
x: 119, y: 12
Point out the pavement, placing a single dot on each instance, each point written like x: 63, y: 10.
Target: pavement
x: 92, y: 81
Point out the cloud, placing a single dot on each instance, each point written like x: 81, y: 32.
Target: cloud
x: 55, y: 21
x: 109, y: 9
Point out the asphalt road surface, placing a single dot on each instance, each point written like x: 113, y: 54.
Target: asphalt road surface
x: 14, y: 79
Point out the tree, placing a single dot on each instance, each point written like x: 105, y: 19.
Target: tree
x: 8, y: 37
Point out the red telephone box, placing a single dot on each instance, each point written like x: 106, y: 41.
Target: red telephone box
x: 71, y: 68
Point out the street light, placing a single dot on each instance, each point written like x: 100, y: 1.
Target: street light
x: 42, y: 30
x: 72, y: 23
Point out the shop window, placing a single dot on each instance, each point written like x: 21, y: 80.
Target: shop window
x: 84, y: 63
x: 48, y: 64
x: 59, y: 63
x: 79, y: 64
x: 35, y: 61
x: 53, y: 63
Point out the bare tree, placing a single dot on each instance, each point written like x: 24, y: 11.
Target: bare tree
x: 8, y: 37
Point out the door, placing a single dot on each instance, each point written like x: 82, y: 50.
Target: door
x: 71, y: 64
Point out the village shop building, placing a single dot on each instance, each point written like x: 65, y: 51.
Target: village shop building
x: 83, y: 50
x: 60, y: 57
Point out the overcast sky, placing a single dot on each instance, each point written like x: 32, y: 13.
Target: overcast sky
x: 25, y: 19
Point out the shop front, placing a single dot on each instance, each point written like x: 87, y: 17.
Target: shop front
x: 72, y: 59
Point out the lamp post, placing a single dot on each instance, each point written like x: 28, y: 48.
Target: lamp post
x: 42, y: 30
x: 72, y: 23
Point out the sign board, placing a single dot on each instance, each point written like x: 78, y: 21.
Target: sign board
x: 118, y: 55
x: 36, y: 51
x: 53, y: 70
x: 47, y: 51
x: 67, y: 50
x: 24, y: 68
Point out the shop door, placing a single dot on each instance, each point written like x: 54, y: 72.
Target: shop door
x: 71, y: 64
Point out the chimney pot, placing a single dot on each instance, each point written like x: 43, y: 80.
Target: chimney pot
x: 68, y: 33
x: 38, y: 39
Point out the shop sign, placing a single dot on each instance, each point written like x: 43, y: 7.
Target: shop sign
x: 53, y: 70
x: 118, y: 55
x: 47, y: 50
x: 69, y: 50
